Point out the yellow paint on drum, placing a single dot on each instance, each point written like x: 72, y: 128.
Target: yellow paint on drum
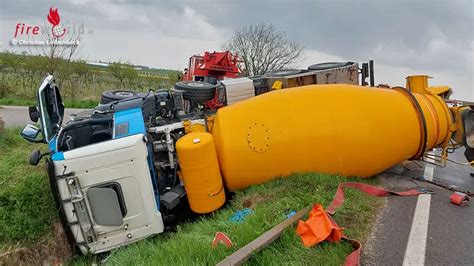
x: 200, y: 170
x: 338, y: 129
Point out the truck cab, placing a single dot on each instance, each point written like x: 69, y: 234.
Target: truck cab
x: 99, y: 171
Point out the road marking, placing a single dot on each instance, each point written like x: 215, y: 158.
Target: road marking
x: 416, y: 246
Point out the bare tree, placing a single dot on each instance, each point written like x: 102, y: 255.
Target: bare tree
x: 56, y: 50
x: 263, y: 49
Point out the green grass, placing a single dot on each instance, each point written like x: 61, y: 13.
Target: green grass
x: 27, y: 212
x: 83, y: 104
x: 26, y: 204
x: 191, y: 244
x: 67, y: 103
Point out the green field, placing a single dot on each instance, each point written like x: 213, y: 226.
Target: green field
x: 27, y: 219
x: 81, y: 83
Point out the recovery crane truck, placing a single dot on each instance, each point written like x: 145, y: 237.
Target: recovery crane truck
x: 211, y: 67
x: 121, y: 172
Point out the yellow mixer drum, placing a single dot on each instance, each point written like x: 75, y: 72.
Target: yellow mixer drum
x: 200, y: 171
x: 336, y: 129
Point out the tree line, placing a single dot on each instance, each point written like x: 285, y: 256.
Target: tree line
x: 22, y: 73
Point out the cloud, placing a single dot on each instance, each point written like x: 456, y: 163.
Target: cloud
x: 410, y: 30
x: 426, y: 36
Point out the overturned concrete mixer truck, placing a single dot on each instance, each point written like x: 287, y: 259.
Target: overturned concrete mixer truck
x: 121, y: 172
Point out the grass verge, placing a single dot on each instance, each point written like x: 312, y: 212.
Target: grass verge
x: 270, y: 202
x: 26, y: 206
x: 84, y: 104
x: 27, y: 219
x: 30, y: 233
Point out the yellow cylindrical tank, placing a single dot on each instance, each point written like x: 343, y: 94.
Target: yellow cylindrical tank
x: 200, y: 171
x: 337, y: 129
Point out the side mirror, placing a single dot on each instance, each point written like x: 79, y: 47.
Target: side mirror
x: 35, y: 157
x: 34, y: 113
x: 30, y: 133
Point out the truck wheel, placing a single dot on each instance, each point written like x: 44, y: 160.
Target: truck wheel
x: 111, y: 96
x: 328, y: 65
x: 196, y: 91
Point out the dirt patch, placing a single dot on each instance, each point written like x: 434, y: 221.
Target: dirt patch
x: 251, y: 200
x: 52, y: 251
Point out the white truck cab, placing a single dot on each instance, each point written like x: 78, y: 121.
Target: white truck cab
x: 99, y: 169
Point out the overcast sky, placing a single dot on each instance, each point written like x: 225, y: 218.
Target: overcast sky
x: 403, y: 37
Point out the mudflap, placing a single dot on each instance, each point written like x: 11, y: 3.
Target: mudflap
x: 468, y: 123
x: 469, y: 154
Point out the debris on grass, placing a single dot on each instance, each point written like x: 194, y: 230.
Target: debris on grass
x: 282, y: 195
x: 221, y: 238
x: 239, y: 216
x: 290, y: 214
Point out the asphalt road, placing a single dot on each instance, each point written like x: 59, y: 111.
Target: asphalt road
x: 18, y: 115
x: 450, y: 229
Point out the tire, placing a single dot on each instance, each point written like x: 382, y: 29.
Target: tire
x: 328, y: 65
x: 117, y: 95
x: 196, y: 91
x: 283, y: 72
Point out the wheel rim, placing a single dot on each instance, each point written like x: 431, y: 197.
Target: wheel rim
x: 124, y: 94
x: 195, y: 84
